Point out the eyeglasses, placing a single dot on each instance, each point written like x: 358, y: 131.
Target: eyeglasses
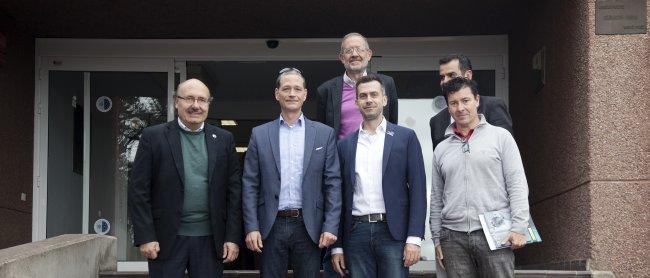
x: 190, y: 100
x: 288, y: 70
x: 350, y: 50
x: 465, y: 147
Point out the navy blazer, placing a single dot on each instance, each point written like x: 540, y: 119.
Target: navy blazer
x: 329, y: 96
x: 321, y: 182
x: 155, y: 193
x: 493, y: 108
x: 403, y: 182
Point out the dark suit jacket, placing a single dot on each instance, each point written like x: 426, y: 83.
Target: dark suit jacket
x: 328, y: 110
x: 403, y: 183
x: 321, y: 182
x: 493, y: 108
x: 156, y: 187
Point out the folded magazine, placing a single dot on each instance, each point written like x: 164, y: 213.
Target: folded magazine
x: 496, y: 226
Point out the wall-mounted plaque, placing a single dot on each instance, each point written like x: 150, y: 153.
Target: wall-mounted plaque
x: 618, y: 17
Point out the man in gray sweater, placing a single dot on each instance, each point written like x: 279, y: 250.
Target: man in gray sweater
x: 476, y: 169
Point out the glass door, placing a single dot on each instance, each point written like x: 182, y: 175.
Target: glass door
x: 94, y: 123
x: 121, y: 105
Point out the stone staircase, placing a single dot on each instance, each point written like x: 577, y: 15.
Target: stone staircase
x: 413, y: 274
x: 95, y: 256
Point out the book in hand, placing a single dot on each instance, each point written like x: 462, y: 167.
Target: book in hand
x: 496, y: 227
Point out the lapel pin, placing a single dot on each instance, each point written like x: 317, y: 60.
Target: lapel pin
x: 390, y: 132
x: 214, y: 136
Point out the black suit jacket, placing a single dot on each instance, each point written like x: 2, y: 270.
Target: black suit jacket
x: 329, y: 101
x: 156, y: 187
x: 493, y: 108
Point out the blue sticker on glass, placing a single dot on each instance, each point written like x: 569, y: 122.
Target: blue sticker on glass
x: 104, y: 104
x: 102, y: 226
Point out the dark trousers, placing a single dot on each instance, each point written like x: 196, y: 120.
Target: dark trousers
x: 469, y: 255
x: 197, y: 254
x: 371, y: 251
x: 328, y: 269
x: 288, y: 240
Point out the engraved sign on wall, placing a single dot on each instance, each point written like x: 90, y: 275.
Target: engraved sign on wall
x: 618, y: 17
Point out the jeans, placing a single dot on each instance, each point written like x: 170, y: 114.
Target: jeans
x: 371, y: 251
x: 328, y: 269
x: 289, y: 240
x: 468, y: 255
x: 197, y: 254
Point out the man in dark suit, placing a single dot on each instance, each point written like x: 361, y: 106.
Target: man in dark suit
x: 493, y: 108
x: 384, y: 202
x: 336, y: 97
x: 291, y: 186
x: 185, y: 191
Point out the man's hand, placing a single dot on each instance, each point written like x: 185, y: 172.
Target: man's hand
x: 230, y: 252
x: 326, y: 239
x: 411, y: 254
x: 150, y: 250
x: 338, y: 263
x: 439, y: 256
x: 516, y: 240
x: 254, y: 241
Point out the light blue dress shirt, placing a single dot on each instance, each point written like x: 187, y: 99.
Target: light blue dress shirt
x: 292, y: 148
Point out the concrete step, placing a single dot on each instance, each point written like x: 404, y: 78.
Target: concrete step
x: 413, y: 274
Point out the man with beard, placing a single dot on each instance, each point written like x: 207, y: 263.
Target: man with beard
x: 384, y: 202
x: 185, y: 191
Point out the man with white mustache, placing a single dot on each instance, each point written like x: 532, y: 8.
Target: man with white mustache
x: 336, y: 97
x: 185, y: 191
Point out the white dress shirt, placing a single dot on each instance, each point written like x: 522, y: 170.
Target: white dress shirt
x: 368, y: 191
x: 349, y: 80
x: 184, y: 127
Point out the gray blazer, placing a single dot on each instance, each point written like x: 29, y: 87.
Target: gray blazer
x: 321, y: 183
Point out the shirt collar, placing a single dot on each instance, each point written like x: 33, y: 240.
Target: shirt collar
x: 381, y: 128
x: 452, y: 126
x: 300, y: 120
x: 349, y: 80
x: 184, y: 127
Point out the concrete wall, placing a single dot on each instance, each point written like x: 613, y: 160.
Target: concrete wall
x: 619, y: 125
x: 583, y: 138
x: 62, y: 256
x: 16, y: 138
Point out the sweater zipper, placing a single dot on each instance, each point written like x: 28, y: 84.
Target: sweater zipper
x: 466, y: 186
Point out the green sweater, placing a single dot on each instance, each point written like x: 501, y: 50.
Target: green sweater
x: 195, y: 220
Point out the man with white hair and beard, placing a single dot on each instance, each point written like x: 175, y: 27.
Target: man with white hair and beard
x: 336, y: 97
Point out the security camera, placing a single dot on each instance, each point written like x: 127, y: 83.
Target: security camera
x: 272, y: 44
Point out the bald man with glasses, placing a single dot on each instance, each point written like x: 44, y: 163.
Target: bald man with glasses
x: 185, y: 191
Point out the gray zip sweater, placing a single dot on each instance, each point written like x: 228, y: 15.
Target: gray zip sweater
x: 490, y: 176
